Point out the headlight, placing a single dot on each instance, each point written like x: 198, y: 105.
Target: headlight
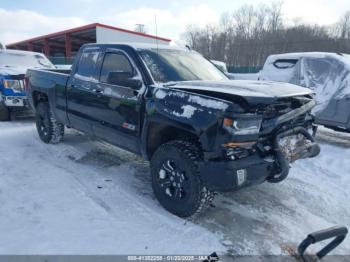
x: 243, y: 125
x: 13, y: 84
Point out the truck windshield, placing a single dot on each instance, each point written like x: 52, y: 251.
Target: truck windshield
x: 13, y: 59
x: 167, y: 65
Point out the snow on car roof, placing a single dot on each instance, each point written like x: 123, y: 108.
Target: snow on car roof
x: 19, y: 52
x: 345, y: 58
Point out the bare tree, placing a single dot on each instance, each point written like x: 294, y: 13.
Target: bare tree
x: 191, y: 36
x: 275, y: 16
x: 245, y: 37
x: 344, y: 25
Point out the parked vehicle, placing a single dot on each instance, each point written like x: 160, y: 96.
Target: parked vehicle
x: 327, y: 74
x: 63, y: 67
x: 13, y: 66
x: 201, y: 132
x: 223, y: 67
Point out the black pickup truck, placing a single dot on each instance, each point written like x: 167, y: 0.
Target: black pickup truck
x: 201, y: 132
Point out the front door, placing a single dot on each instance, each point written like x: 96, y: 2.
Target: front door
x: 118, y: 107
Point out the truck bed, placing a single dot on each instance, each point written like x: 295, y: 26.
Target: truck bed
x: 46, y: 79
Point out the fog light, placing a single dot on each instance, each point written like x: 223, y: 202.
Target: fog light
x: 241, y: 176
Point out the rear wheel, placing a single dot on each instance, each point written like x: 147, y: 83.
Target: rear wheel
x: 4, y: 112
x: 176, y: 181
x: 49, y: 130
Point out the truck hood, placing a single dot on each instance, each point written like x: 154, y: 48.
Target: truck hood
x: 251, y: 91
x: 4, y: 70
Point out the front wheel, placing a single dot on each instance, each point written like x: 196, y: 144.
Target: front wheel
x: 49, y: 130
x: 176, y: 181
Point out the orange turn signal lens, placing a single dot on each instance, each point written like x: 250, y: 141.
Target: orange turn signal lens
x: 240, y: 144
x: 228, y: 122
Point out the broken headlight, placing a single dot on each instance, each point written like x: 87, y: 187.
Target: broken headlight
x: 243, y: 125
x: 13, y: 84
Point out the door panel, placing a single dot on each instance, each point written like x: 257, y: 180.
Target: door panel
x: 118, y: 107
x: 81, y: 97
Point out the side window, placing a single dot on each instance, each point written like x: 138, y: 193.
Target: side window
x: 87, y: 67
x: 285, y: 63
x: 115, y: 62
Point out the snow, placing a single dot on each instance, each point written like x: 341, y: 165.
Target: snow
x: 192, y: 98
x: 208, y: 102
x: 187, y: 112
x: 86, y: 197
x: 247, y: 76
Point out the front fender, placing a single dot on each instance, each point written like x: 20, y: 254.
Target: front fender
x: 198, y: 114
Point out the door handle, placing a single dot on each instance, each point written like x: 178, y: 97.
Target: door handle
x: 98, y: 91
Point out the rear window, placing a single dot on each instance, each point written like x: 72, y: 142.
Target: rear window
x: 87, y: 67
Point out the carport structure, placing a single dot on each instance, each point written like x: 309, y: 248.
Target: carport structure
x: 67, y: 43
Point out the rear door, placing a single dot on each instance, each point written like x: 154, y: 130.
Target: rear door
x: 118, y: 107
x: 82, y: 89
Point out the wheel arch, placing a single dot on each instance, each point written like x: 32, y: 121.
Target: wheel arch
x: 157, y: 133
x: 39, y: 97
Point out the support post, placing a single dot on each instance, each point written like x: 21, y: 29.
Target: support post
x: 46, y: 47
x: 30, y: 46
x: 68, y: 45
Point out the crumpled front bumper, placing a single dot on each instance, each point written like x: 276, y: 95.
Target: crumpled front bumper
x: 224, y: 176
x: 230, y: 175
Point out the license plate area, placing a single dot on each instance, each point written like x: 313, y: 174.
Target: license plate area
x: 14, y: 101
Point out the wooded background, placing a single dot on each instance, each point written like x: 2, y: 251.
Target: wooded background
x: 246, y: 37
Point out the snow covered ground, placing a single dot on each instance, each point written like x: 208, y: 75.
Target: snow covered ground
x: 87, y: 197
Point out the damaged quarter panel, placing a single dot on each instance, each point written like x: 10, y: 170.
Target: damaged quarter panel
x: 201, y: 115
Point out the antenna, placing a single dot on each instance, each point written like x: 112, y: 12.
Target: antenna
x: 156, y: 27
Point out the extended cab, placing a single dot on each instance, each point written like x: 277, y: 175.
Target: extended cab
x: 201, y: 132
x: 13, y: 66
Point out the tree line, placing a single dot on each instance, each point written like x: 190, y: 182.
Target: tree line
x: 247, y: 36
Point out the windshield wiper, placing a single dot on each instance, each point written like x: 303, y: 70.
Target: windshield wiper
x: 171, y: 83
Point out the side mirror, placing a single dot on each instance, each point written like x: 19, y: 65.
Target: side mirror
x: 123, y: 79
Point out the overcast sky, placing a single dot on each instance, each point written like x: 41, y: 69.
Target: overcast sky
x: 20, y: 20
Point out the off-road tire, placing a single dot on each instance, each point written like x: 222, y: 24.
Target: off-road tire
x: 186, y: 155
x: 49, y: 130
x: 4, y: 112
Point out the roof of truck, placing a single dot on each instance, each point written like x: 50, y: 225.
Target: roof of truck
x: 139, y: 45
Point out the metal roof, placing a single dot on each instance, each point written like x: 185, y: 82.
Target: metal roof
x: 85, y: 28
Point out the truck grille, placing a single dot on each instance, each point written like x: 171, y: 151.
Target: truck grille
x: 274, y: 111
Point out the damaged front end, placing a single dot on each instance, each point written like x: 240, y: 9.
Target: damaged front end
x: 293, y: 139
x: 286, y: 134
x: 290, y: 146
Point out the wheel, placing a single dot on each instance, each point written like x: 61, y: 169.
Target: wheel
x: 176, y: 181
x: 4, y: 112
x: 49, y: 130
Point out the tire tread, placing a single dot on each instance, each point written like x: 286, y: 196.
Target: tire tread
x: 193, y: 153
